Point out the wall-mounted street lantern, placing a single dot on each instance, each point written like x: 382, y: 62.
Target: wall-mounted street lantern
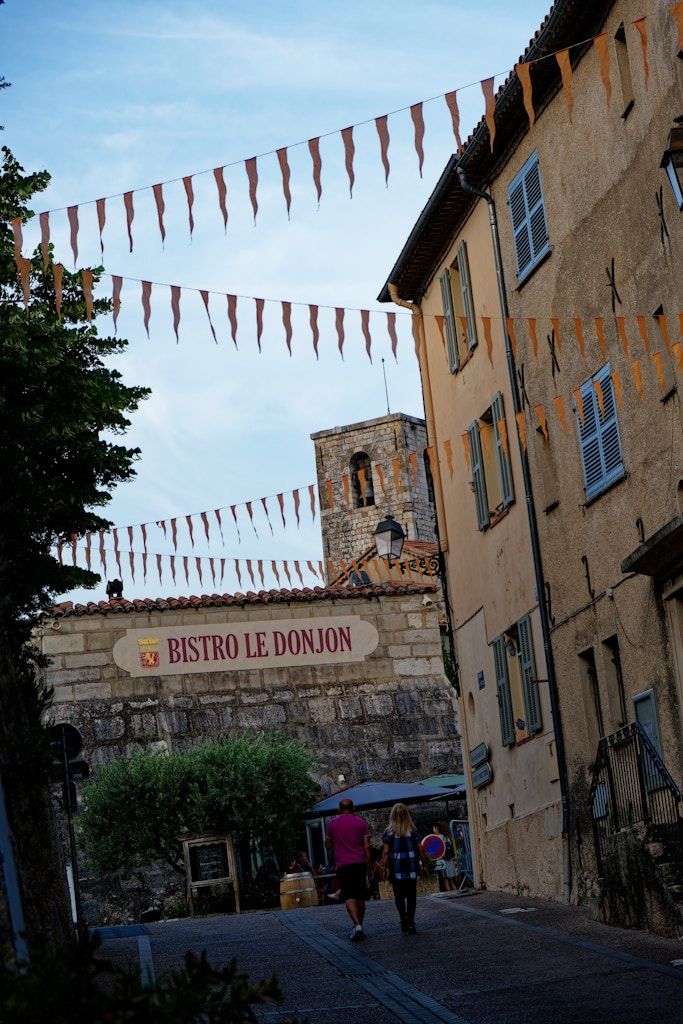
x: 672, y: 161
x: 389, y: 538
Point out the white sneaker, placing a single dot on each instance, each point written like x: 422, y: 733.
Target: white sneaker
x: 357, y: 933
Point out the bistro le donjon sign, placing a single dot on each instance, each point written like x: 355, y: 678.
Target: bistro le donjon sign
x: 176, y: 650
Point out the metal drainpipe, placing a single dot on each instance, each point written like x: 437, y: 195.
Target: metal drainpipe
x: 535, y: 543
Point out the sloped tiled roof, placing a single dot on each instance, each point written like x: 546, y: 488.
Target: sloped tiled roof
x: 122, y: 606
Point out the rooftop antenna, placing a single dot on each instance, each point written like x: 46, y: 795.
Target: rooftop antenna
x: 386, y: 389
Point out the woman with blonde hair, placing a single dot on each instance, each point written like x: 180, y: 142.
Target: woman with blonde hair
x: 401, y: 849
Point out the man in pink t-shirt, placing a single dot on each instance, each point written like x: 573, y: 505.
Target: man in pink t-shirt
x: 348, y: 836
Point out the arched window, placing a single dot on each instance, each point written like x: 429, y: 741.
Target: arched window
x: 361, y: 480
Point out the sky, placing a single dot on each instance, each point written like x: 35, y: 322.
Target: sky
x: 118, y: 95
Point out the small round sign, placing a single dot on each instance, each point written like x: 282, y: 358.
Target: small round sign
x: 433, y: 846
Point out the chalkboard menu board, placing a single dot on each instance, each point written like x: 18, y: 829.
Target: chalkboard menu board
x: 209, y: 861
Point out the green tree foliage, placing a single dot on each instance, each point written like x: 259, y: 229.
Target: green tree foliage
x: 73, y: 986
x: 135, y: 809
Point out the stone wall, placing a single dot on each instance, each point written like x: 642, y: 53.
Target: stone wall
x: 348, y: 533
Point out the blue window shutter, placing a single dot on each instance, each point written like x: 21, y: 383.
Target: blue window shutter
x: 527, y: 667
x: 507, y: 726
x: 525, y: 198
x: 477, y: 461
x: 502, y: 457
x: 449, y: 320
x: 466, y: 292
x: 599, y: 436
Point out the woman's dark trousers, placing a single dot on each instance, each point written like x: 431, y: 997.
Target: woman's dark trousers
x: 405, y: 897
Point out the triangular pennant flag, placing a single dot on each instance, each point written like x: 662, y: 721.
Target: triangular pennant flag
x: 600, y: 395
x: 198, y: 564
x: 396, y: 467
x: 339, y: 324
x: 57, y: 273
x: 45, y: 239
x: 365, y: 328
x: 321, y: 573
x: 222, y: 188
x: 314, y: 150
x: 18, y: 239
x: 205, y: 299
x: 190, y: 529
x: 189, y: 192
x: 217, y: 513
x: 222, y: 572
x: 578, y: 399
x: 346, y: 490
x: 311, y: 500
x: 264, y: 503
x: 677, y: 350
x: 521, y: 428
x: 103, y: 552
x: 146, y: 307
x: 117, y: 552
x: 72, y: 215
x: 533, y: 337
x: 542, y: 419
x: 285, y: 566
x: 415, y: 321
x: 489, y: 99
x: 349, y: 151
x: 276, y: 574
x: 488, y: 337
x: 101, y: 221
x: 60, y: 549
x: 129, y: 531
x: 383, y: 133
x: 329, y: 487
x: 524, y: 75
x: 296, y: 498
x: 287, y: 322
x: 171, y: 560
x: 143, y: 534
x: 580, y: 340
x: 618, y: 391
x: 205, y: 522
x: 238, y: 573
x: 251, y: 572
x: 600, y: 334
x: 250, y: 513
x: 659, y: 370
x: 116, y: 284
x: 297, y: 569
x: 559, y: 409
x: 621, y: 330
x: 600, y: 43
x: 362, y: 484
x: 312, y: 569
x: 642, y: 327
x: 391, y: 328
x: 233, y: 509
x: 382, y: 482
x: 159, y: 571
x: 161, y: 523
x: 252, y: 175
x: 175, y: 308
x: 448, y: 449
x: 286, y: 174
x: 186, y: 569
x: 313, y: 320
x: 144, y: 566
x: 88, y: 551
x: 640, y: 25
x: 419, y: 126
x: 259, y: 321
x: 174, y: 533
x: 451, y: 99
x: 130, y: 214
x: 131, y: 562
x: 158, y: 191
x: 510, y: 326
x: 281, y: 502
x: 555, y: 327
x: 664, y: 331
x: 259, y: 566
x: 232, y: 317
x: 212, y: 567
x: 565, y: 65
x: 25, y: 279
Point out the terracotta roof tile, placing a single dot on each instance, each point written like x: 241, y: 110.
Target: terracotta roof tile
x: 119, y: 606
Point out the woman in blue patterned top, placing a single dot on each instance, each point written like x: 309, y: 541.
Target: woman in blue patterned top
x: 403, y: 853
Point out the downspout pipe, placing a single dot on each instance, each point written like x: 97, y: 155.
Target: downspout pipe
x: 535, y: 541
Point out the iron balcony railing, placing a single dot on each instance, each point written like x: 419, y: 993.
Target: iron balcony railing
x: 631, y: 786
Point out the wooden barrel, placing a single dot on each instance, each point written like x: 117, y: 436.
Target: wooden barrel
x: 298, y: 890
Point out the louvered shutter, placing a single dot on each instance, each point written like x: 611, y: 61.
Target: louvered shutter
x: 527, y: 666
x: 599, y: 438
x: 609, y: 430
x: 502, y: 457
x: 507, y: 726
x: 449, y: 320
x: 466, y: 291
x: 525, y: 198
x: 477, y: 462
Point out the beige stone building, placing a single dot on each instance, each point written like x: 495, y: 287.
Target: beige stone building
x: 589, y: 228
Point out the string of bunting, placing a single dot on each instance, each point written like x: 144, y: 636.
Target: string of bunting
x: 522, y: 70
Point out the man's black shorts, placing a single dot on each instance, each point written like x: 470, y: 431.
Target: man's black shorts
x: 353, y: 879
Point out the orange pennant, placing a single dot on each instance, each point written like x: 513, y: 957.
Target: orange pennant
x: 664, y: 331
x: 346, y: 490
x: 419, y: 126
x: 451, y: 99
x: 250, y: 571
x: 600, y: 334
x: 489, y: 99
x: 313, y: 320
x: 331, y: 571
x: 252, y: 176
x: 25, y: 278
x: 639, y: 23
x: 339, y: 324
x: 72, y: 214
x: 130, y: 214
x: 281, y: 502
x: 677, y: 15
x: 448, y: 449
x: 488, y: 337
x: 116, y: 283
x: 524, y: 74
x: 311, y: 500
x: 362, y: 484
x: 580, y: 340
x: 329, y: 487
x: 503, y: 435
x: 559, y: 409
x: 637, y: 378
x: 383, y: 133
x: 510, y: 325
x: 175, y: 309
x: 565, y: 64
x: 396, y: 467
x: 259, y: 566
x: 296, y: 498
x: 542, y: 419
x: 621, y: 330
x: 238, y: 573
x: 600, y: 395
x: 391, y: 328
x: 618, y: 390
x: 555, y: 325
x: 412, y: 459
x: 189, y: 192
x: 264, y: 506
x: 45, y: 239
x: 465, y: 438
x: 600, y: 43
x: 297, y: 569
x: 642, y: 327
x: 101, y: 220
x: 286, y: 174
x: 222, y: 188
x: 259, y: 321
x: 415, y: 330
x: 287, y: 322
x: 349, y: 152
x: 18, y: 240
x: 365, y: 328
x: 533, y: 338
x: 314, y: 150
x: 232, y: 317
x: 677, y: 350
x: 146, y: 308
x: 57, y: 272
x: 158, y: 191
x: 198, y: 565
x: 659, y: 369
x: 521, y: 428
x: 205, y: 299
x: 382, y: 482
x: 86, y: 279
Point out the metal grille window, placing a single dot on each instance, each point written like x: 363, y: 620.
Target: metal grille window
x: 525, y: 199
x: 599, y: 434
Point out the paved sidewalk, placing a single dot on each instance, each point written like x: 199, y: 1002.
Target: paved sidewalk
x: 474, y: 960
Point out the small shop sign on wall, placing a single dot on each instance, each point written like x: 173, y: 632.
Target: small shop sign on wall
x: 275, y: 643
x: 482, y: 772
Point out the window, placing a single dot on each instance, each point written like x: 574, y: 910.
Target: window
x: 361, y: 481
x: 519, y: 705
x: 490, y: 463
x: 615, y: 682
x: 458, y: 309
x: 645, y: 708
x: 624, y: 65
x: 525, y: 199
x: 599, y: 434
x: 591, y: 701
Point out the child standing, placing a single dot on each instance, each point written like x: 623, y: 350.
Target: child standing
x: 402, y: 851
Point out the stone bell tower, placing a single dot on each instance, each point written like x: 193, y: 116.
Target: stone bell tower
x: 373, y: 469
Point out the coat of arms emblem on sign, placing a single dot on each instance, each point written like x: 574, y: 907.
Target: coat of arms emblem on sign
x: 149, y: 651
